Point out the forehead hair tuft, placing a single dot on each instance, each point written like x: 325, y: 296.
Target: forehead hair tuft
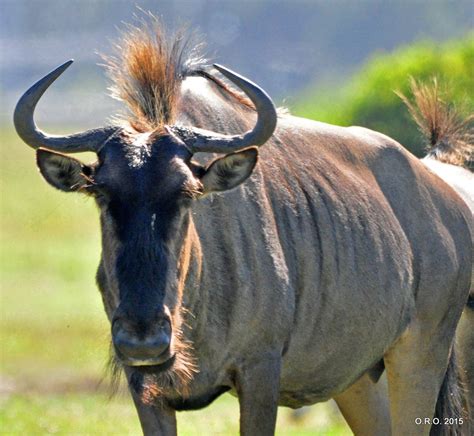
x: 146, y: 71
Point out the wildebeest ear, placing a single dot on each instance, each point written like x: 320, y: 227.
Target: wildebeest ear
x: 61, y: 171
x: 229, y: 171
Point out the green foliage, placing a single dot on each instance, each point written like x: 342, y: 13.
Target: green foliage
x: 369, y: 100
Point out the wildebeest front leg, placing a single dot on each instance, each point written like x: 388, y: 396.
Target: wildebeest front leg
x: 257, y: 387
x: 154, y: 420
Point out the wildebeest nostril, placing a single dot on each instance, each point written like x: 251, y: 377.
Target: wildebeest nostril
x: 142, y: 348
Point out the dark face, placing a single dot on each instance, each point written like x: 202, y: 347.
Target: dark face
x: 144, y: 190
x: 145, y: 186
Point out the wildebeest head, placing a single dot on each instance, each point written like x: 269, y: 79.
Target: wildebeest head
x: 145, y: 184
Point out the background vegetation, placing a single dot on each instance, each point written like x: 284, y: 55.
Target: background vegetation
x: 54, y: 336
x: 367, y: 99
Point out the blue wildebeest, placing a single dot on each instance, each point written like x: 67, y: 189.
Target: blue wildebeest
x: 339, y: 254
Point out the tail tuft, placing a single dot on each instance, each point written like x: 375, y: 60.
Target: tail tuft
x: 450, y: 136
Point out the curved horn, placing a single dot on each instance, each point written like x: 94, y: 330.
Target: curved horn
x: 26, y: 128
x: 202, y: 140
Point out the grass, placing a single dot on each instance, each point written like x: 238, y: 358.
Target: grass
x: 79, y: 414
x: 54, y: 335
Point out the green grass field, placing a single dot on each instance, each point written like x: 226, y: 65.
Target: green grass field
x: 54, y: 335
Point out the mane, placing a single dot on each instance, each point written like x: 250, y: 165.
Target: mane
x: 147, y: 69
x: 449, y: 135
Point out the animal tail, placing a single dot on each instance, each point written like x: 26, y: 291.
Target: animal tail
x: 451, y: 414
x: 449, y: 134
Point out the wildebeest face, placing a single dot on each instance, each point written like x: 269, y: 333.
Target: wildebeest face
x: 145, y: 186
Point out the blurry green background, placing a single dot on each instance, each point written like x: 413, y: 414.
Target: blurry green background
x: 334, y: 61
x: 368, y: 98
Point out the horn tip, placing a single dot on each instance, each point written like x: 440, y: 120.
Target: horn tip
x: 65, y: 65
x: 53, y: 75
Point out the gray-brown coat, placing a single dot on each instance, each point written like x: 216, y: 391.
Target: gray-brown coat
x: 339, y: 251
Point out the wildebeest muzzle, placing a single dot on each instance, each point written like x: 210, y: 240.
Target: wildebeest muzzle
x: 142, y: 342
